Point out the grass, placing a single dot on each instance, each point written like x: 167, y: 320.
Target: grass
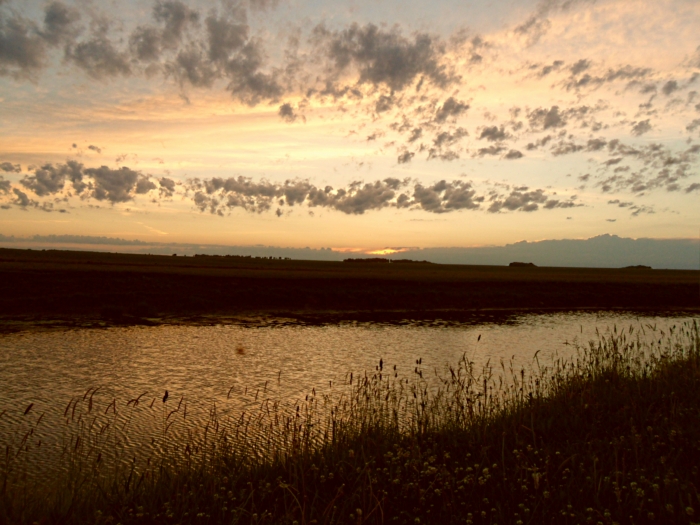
x: 612, y: 436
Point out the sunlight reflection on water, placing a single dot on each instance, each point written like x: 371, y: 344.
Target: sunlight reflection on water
x: 236, y: 367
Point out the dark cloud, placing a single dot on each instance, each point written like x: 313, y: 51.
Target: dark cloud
x: 670, y: 87
x: 22, y: 50
x: 362, y: 197
x: 658, y: 167
x: 167, y: 187
x: 693, y: 187
x: 4, y: 185
x: 539, y: 143
x: 226, y: 38
x: 520, y: 199
x: 227, y: 52
x: 405, y: 157
x: 444, y: 197
x: 98, y: 57
x: 22, y: 199
x: 287, y: 113
x: 247, y: 82
x: 640, y: 128
x: 564, y: 147
x: 491, y: 150
x: 626, y: 73
x: 220, y: 195
x: 493, y: 133
x: 8, y: 167
x: 384, y: 103
x: 416, y: 133
x: 450, y: 108
x: 175, y: 17
x: 117, y: 185
x: 147, y: 43
x: 533, y: 28
x: 191, y: 67
x: 596, y: 144
x: 59, y: 23
x: 50, y: 179
x: 513, y: 154
x: 443, y: 142
x: 446, y: 138
x: 695, y: 124
x: 96, y: 149
x: 580, y: 66
x: 554, y: 66
x: 384, y: 57
x: 543, y: 118
x: 103, y: 183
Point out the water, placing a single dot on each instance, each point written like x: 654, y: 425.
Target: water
x: 236, y: 367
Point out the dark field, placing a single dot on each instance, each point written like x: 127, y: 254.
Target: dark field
x: 88, y: 287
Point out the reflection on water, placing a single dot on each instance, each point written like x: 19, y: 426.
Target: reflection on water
x: 236, y: 367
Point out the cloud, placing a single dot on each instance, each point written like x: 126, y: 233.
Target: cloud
x: 693, y: 187
x: 580, y: 66
x: 405, y: 157
x: 116, y: 185
x: 513, y: 155
x: 491, y: 150
x: 95, y: 148
x: 175, y: 18
x: 565, y: 148
x: 450, y: 108
x: 382, y: 57
x: 8, y: 167
x: 50, y: 179
x: 670, y: 87
x: 167, y: 187
x: 443, y: 197
x: 587, y: 80
x: 542, y: 119
x: 22, y: 51
x: 640, y: 128
x: 98, y: 57
x: 287, y: 113
x: 4, y: 185
x: 596, y: 144
x: 493, y: 133
x: 102, y: 184
x: 59, y: 23
x: 520, y: 199
x: 538, y: 143
x: 555, y: 66
x: 22, y: 199
x: 695, y: 124
x: 147, y: 43
x: 220, y: 195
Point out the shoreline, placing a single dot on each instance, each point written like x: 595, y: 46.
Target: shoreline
x: 40, y: 289
x: 445, y: 317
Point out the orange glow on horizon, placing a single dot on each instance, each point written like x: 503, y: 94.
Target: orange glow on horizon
x: 387, y: 251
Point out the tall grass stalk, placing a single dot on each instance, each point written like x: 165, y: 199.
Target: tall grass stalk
x: 610, y: 436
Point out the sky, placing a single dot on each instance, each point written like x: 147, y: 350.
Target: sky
x: 361, y: 126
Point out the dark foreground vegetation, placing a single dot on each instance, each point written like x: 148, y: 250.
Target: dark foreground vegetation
x: 90, y: 287
x: 612, y: 437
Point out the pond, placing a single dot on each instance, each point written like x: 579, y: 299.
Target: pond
x: 237, y: 367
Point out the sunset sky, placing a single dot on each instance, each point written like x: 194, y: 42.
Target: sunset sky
x: 357, y: 125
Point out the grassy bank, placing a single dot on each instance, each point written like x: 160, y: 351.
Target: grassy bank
x: 611, y: 437
x: 82, y: 289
